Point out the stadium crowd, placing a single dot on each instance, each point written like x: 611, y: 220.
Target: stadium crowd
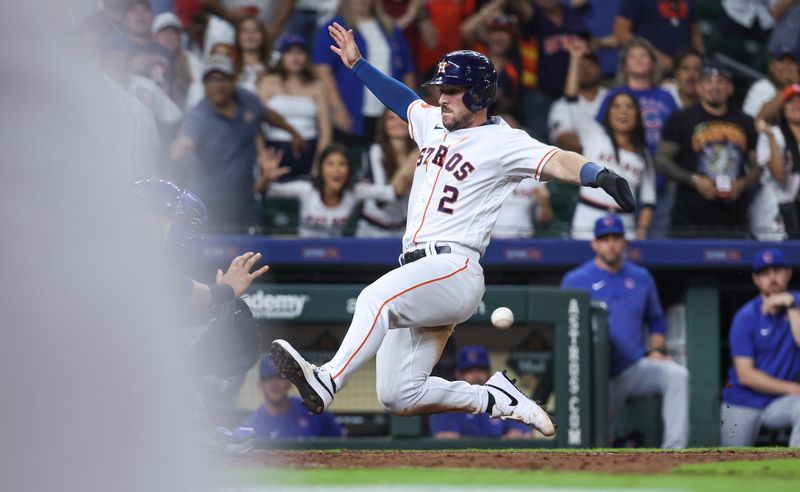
x: 239, y: 100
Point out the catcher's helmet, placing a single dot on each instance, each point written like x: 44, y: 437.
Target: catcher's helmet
x: 468, y: 69
x: 185, y: 211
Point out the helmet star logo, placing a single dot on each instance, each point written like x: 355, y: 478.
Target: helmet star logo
x: 442, y: 65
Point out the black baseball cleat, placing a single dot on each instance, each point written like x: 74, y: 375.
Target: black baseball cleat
x: 315, y: 385
x: 511, y: 403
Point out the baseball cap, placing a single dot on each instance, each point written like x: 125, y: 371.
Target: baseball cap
x: 767, y: 258
x: 715, y: 69
x: 267, y: 369
x: 292, y: 40
x: 165, y: 20
x: 610, y: 224
x: 782, y: 51
x: 218, y: 63
x: 789, y: 92
x: 472, y: 356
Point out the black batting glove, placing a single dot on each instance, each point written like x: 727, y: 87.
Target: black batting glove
x: 617, y: 188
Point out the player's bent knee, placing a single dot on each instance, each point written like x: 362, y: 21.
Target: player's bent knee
x: 677, y: 373
x: 397, y: 402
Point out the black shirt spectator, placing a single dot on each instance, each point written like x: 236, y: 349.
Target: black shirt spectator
x: 709, y: 149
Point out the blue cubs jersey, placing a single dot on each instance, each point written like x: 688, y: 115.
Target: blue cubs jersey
x: 632, y: 300
x: 473, y: 425
x: 294, y: 423
x: 768, y: 340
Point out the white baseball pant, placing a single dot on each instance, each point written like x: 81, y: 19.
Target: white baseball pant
x: 647, y: 377
x: 740, y: 425
x: 406, y: 317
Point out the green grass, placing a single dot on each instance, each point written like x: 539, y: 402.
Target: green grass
x: 755, y: 476
x: 505, y: 478
x: 784, y: 469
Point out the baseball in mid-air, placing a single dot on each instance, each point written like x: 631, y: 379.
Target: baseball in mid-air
x: 502, y: 318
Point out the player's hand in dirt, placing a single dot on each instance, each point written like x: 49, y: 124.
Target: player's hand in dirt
x: 345, y: 44
x: 238, y: 275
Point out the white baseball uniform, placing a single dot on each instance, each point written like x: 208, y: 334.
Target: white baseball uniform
x: 406, y: 316
x: 320, y: 220
x: 594, y: 202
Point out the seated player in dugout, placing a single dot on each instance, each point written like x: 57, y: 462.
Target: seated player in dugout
x: 469, y: 164
x: 284, y: 416
x: 763, y: 389
x: 473, y: 367
x: 637, y: 366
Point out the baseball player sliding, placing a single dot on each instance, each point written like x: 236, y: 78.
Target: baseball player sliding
x: 468, y: 164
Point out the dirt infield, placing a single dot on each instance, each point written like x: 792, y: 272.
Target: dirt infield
x: 599, y: 461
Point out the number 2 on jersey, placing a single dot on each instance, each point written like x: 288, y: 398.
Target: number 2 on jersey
x: 449, y: 198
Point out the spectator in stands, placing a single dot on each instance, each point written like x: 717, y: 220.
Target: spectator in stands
x: 412, y: 17
x: 293, y: 90
x: 618, y: 143
x: 166, y: 113
x: 774, y: 211
x: 598, y: 15
x: 108, y: 21
x: 668, y: 24
x: 392, y: 151
x: 271, y: 13
x: 194, y: 20
x: 639, y: 73
x: 307, y: 15
x: 355, y: 111
x: 708, y: 149
x: 328, y: 201
x: 554, y: 28
x: 528, y: 200
x: 495, y: 38
x: 590, y: 95
x: 252, y: 52
x: 446, y: 19
x: 150, y: 59
x: 787, y: 15
x: 167, y: 31
x: 747, y: 19
x: 473, y: 367
x: 763, y: 99
x: 139, y: 133
x: 762, y: 389
x: 683, y: 87
x: 631, y: 297
x: 282, y: 416
x: 218, y: 136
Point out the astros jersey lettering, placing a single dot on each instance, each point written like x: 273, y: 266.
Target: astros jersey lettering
x: 463, y: 177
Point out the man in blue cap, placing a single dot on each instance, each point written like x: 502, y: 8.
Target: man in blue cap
x: 631, y: 297
x: 473, y: 367
x: 282, y: 416
x: 762, y: 385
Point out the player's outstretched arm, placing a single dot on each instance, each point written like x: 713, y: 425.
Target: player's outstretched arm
x: 573, y: 168
x: 392, y: 93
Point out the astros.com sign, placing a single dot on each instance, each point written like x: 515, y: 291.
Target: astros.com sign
x: 276, y: 306
x: 574, y: 374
